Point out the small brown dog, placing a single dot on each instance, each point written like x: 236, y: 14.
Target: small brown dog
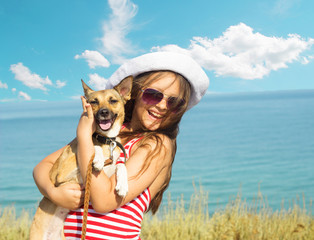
x: 108, y: 109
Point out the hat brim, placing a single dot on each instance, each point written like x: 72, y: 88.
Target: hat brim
x: 176, y: 62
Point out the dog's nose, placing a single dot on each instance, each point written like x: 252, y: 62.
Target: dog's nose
x: 103, y: 112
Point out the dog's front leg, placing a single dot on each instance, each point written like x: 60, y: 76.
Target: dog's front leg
x: 99, y: 159
x: 122, y: 178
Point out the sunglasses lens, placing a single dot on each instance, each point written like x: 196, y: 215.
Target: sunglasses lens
x: 152, y: 96
x: 175, y: 104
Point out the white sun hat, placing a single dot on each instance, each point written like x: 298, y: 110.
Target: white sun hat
x: 176, y: 62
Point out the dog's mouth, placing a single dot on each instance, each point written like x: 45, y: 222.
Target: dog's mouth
x: 106, y: 124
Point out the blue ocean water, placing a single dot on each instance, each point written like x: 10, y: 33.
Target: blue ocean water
x: 229, y: 144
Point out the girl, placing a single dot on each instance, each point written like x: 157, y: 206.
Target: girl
x: 165, y: 85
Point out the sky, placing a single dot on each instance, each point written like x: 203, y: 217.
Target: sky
x: 47, y: 47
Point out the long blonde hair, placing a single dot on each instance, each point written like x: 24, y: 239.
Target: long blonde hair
x: 169, y: 128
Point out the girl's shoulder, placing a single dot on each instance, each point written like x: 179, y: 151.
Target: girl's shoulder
x: 151, y: 141
x: 155, y: 143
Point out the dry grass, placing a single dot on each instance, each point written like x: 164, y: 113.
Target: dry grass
x: 238, y: 220
x: 13, y: 227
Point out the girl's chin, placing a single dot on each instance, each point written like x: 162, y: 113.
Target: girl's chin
x: 152, y: 124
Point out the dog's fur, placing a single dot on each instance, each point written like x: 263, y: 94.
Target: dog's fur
x: 106, y: 104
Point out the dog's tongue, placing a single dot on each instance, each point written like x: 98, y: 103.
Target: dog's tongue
x: 105, y: 125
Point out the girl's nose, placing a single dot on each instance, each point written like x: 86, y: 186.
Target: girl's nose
x: 162, y: 104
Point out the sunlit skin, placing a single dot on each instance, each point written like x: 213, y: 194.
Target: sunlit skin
x: 151, y: 116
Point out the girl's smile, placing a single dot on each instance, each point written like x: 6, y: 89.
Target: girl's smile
x: 155, y: 115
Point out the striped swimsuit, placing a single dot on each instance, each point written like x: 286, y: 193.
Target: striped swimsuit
x: 121, y: 223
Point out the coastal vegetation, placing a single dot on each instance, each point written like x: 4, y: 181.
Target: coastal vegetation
x: 192, y: 220
x: 238, y: 220
x: 14, y: 227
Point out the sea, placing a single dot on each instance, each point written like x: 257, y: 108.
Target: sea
x: 250, y: 146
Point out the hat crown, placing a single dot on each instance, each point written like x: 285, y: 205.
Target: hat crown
x: 171, y: 61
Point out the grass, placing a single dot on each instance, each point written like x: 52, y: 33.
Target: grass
x: 177, y: 220
x: 239, y: 220
x: 13, y: 227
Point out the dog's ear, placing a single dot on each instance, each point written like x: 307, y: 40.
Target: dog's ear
x: 124, y: 88
x: 87, y: 89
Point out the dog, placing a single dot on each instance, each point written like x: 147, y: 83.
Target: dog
x: 108, y: 108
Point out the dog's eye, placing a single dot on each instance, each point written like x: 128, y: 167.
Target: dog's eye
x: 113, y: 101
x: 95, y: 101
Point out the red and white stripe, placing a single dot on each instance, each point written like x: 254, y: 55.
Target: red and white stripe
x: 122, y: 223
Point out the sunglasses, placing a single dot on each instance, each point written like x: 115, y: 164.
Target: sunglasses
x: 152, y: 96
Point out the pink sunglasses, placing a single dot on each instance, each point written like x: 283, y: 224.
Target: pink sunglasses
x: 152, y: 96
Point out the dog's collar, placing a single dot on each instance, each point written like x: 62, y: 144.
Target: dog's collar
x: 103, y: 139
x: 108, y: 141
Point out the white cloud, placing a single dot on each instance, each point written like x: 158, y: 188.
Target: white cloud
x: 94, y: 59
x: 60, y: 84
x: 241, y: 53
x: 77, y: 97
x: 97, y: 82
x: 114, y: 40
x: 7, y: 100
x: 25, y: 96
x: 28, y: 78
x: 283, y: 6
x: 3, y: 85
x: 13, y: 90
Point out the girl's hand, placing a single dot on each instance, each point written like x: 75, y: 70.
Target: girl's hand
x: 86, y: 126
x: 69, y: 195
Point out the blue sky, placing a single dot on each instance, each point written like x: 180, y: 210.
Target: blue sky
x: 46, y: 47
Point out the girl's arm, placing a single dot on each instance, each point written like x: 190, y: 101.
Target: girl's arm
x: 69, y: 196
x: 103, y: 195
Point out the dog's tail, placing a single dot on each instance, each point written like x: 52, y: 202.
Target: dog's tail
x: 87, y: 196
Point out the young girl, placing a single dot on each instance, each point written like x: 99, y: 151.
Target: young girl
x: 165, y: 85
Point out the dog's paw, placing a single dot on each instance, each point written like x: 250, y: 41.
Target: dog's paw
x: 99, y: 161
x: 122, y: 180
x: 122, y: 191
